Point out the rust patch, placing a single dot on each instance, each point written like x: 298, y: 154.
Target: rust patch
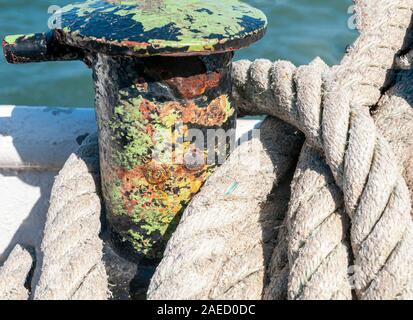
x: 195, y: 86
x: 127, y: 177
x: 187, y: 82
x: 147, y: 109
x: 155, y: 174
x: 214, y: 114
x: 134, y: 44
x: 152, y: 180
x: 10, y: 56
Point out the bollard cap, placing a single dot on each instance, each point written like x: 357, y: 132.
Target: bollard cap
x: 160, y: 27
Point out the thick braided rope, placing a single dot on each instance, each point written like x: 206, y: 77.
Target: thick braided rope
x: 14, y: 274
x: 278, y: 270
x: 317, y: 228
x: 380, y: 208
x: 315, y: 247
x: 318, y: 248
x: 71, y: 265
x: 394, y: 118
x: 376, y: 195
x: 380, y: 211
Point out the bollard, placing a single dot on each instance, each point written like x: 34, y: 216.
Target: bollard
x: 162, y: 78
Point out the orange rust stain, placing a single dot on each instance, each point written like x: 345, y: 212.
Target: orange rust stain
x: 147, y: 109
x: 213, y: 115
x: 155, y: 174
x: 157, y: 179
x: 152, y: 172
x: 128, y: 177
x: 130, y: 205
x: 187, y: 77
x: 194, y: 86
x: 128, y: 186
x: 135, y: 44
x: 150, y: 130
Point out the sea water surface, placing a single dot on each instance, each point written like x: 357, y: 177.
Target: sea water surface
x: 299, y: 31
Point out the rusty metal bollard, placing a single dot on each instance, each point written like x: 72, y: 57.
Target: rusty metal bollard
x: 162, y: 75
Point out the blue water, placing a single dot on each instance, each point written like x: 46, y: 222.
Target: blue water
x: 299, y: 30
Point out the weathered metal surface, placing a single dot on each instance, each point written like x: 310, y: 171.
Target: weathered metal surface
x: 161, y: 70
x: 39, y: 47
x: 139, y: 104
x: 161, y: 27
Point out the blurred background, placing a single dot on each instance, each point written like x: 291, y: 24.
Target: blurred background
x: 299, y: 30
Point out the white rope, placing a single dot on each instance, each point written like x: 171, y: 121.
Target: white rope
x: 376, y: 196
x: 394, y: 118
x: 71, y: 265
x: 14, y: 274
x: 317, y: 229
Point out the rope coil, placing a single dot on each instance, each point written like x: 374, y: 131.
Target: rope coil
x: 347, y: 228
x: 334, y: 115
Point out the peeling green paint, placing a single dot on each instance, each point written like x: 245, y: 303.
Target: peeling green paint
x: 13, y: 38
x: 147, y: 181
x: 151, y: 207
x: 163, y: 26
x: 129, y: 126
